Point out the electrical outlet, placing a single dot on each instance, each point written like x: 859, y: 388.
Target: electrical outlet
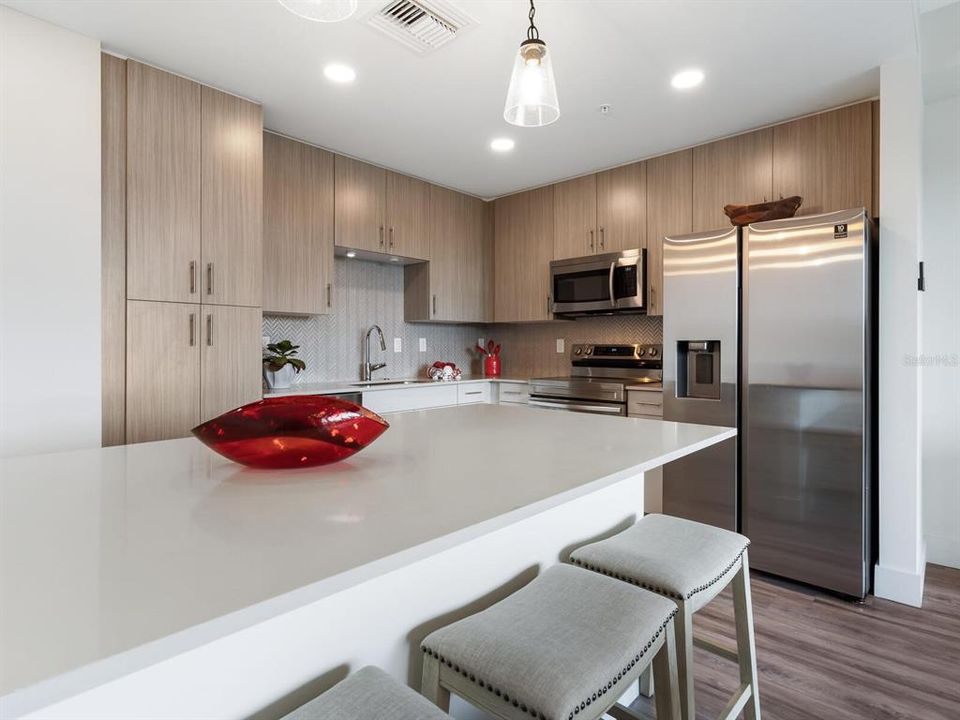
x: 559, y: 345
x: 264, y: 340
x: 482, y: 342
x: 423, y: 344
x: 397, y: 345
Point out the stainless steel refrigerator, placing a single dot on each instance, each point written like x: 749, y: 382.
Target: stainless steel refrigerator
x: 772, y: 329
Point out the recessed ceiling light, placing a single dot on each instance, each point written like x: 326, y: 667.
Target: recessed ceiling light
x: 338, y: 73
x: 686, y: 79
x: 501, y: 144
x: 351, y: 254
x: 394, y: 259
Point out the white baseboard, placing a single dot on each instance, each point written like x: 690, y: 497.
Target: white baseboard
x: 943, y: 551
x: 899, y: 586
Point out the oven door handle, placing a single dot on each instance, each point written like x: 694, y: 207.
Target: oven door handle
x: 613, y: 300
x: 604, y: 409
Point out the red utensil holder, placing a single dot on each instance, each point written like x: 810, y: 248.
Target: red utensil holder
x: 491, y: 366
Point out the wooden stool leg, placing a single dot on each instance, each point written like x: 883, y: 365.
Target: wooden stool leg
x: 430, y: 686
x: 684, y: 630
x: 746, y: 643
x: 665, y: 676
x: 646, y: 683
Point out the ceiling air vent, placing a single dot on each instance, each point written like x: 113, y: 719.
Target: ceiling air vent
x: 421, y: 25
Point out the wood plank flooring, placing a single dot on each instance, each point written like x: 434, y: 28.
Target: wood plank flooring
x: 824, y: 658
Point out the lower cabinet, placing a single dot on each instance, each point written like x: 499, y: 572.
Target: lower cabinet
x: 645, y: 403
x: 513, y: 393
x: 420, y: 397
x: 187, y: 363
x: 473, y: 393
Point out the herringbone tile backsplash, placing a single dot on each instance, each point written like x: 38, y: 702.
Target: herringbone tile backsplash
x: 368, y: 293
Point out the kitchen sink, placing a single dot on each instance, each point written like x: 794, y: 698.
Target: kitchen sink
x: 380, y: 383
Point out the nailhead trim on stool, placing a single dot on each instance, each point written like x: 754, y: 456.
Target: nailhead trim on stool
x: 534, y: 713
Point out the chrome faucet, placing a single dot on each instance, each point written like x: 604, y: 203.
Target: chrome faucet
x: 367, y: 368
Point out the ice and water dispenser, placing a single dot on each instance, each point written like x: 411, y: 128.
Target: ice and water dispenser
x: 698, y: 369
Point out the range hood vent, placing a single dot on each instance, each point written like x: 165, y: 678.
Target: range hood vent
x: 420, y: 25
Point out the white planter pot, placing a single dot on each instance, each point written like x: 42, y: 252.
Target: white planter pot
x: 281, y: 379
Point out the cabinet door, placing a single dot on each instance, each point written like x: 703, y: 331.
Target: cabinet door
x: 230, y: 364
x: 163, y: 370
x: 523, y: 249
x: 447, y: 242
x: 163, y: 186
x: 575, y: 218
x: 622, y: 208
x: 297, y: 227
x: 232, y: 199
x: 474, y: 268
x: 669, y: 212
x: 407, y: 200
x: 360, y: 205
x: 738, y: 170
x: 826, y: 159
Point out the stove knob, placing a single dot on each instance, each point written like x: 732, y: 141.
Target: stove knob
x: 590, y: 350
x: 642, y: 352
x: 653, y: 352
x: 577, y: 350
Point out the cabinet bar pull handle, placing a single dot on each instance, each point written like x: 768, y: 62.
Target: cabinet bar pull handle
x: 193, y: 276
x: 210, y: 330
x: 391, y: 237
x: 549, y: 305
x: 209, y: 278
x: 381, y: 236
x: 329, y: 294
x: 193, y: 329
x: 475, y: 392
x: 434, y: 304
x: 601, y: 237
x: 591, y: 240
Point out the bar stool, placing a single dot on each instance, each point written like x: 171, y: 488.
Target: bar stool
x: 565, y: 646
x: 368, y: 694
x: 690, y: 563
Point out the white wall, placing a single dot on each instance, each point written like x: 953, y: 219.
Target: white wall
x: 940, y: 447
x: 900, y: 569
x: 49, y: 237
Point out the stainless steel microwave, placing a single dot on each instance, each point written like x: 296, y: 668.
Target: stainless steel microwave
x: 600, y: 284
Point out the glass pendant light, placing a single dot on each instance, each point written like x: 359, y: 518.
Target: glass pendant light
x: 532, y: 96
x: 321, y: 10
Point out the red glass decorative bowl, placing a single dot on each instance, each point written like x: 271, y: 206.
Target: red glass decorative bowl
x: 292, y: 431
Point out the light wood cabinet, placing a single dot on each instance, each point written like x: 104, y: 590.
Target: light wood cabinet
x: 622, y: 208
x: 452, y: 287
x: 360, y: 205
x: 669, y: 212
x: 575, y: 218
x: 737, y: 170
x: 163, y: 185
x: 523, y: 248
x: 163, y: 370
x: 230, y: 358
x: 826, y: 159
x: 231, y: 170
x: 298, y: 227
x: 407, y: 201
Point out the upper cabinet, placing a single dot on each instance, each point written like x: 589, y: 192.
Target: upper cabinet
x: 453, y: 286
x: 622, y: 208
x: 163, y: 185
x: 523, y: 248
x: 194, y: 184
x: 738, y: 170
x: 669, y: 212
x: 231, y: 172
x: 826, y: 159
x: 575, y: 218
x: 360, y: 206
x: 605, y: 212
x: 380, y: 211
x: 298, y: 227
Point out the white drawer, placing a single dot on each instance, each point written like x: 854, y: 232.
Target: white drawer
x: 645, y: 403
x: 473, y: 393
x: 513, y: 392
x: 410, y: 398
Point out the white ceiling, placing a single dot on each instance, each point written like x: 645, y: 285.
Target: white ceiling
x: 433, y: 116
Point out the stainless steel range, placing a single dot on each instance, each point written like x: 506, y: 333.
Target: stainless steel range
x: 599, y: 377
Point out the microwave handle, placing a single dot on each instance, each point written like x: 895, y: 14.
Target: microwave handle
x: 613, y: 300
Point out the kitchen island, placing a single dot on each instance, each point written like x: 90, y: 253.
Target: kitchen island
x: 161, y: 580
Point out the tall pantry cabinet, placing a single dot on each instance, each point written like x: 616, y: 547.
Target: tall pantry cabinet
x: 194, y: 183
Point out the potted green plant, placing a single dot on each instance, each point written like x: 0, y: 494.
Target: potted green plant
x: 279, y: 364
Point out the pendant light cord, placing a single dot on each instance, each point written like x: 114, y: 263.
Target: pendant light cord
x: 532, y: 32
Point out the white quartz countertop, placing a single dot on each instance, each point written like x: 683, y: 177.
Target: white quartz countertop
x: 356, y: 386
x: 114, y: 559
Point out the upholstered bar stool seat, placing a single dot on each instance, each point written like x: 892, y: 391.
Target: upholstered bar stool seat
x: 565, y: 646
x: 368, y: 694
x: 690, y: 563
